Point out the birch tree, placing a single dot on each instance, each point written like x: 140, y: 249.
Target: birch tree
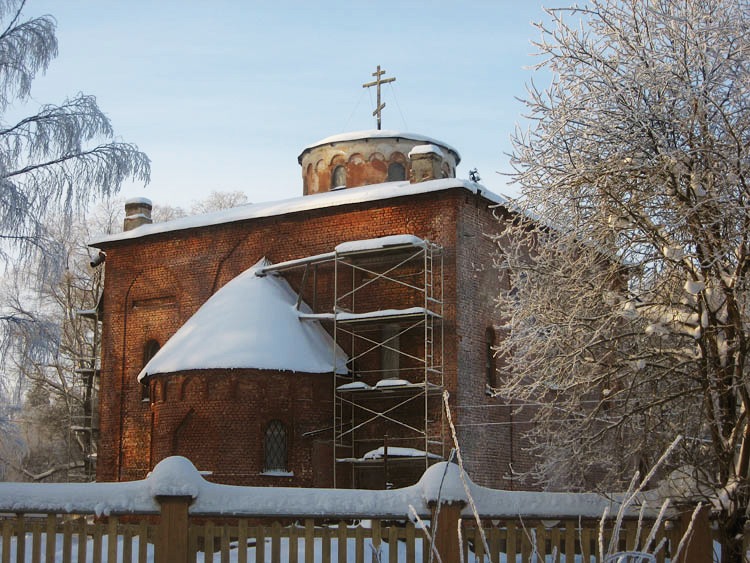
x: 52, y: 163
x: 56, y: 160
x: 627, y: 321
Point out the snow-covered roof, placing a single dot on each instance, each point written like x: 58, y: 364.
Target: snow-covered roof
x: 251, y: 322
x: 374, y: 192
x: 379, y: 134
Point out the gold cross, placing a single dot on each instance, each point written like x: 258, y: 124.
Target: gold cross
x: 377, y: 82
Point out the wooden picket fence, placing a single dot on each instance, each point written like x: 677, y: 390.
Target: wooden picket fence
x: 159, y: 523
x: 55, y: 537
x: 67, y: 539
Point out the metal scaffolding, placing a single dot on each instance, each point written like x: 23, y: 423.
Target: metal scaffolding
x: 84, y: 427
x: 404, y: 281
x: 385, y: 312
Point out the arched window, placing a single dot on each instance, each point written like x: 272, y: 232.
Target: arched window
x: 490, y: 362
x: 274, y: 446
x: 396, y: 172
x: 338, y: 178
x: 149, y: 351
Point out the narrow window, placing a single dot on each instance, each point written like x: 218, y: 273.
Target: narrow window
x: 338, y: 178
x: 274, y: 445
x: 149, y: 351
x: 396, y: 172
x: 490, y: 362
x: 145, y: 390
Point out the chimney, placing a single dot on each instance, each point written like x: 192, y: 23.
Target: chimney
x: 137, y: 213
x: 426, y: 162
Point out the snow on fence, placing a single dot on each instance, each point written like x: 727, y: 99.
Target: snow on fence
x: 174, y: 515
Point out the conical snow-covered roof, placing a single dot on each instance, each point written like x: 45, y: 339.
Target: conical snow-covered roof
x: 251, y: 322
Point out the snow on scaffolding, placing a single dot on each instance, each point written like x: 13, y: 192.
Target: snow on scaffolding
x: 345, y: 316
x: 354, y: 386
x: 386, y: 384
x: 380, y: 243
x: 395, y: 451
x: 382, y: 384
x: 391, y: 382
x: 382, y: 313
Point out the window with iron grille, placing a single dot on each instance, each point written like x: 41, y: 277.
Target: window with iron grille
x: 275, y: 446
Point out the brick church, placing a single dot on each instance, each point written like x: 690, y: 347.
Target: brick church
x: 309, y: 342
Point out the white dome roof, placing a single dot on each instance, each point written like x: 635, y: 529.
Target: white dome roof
x: 251, y: 322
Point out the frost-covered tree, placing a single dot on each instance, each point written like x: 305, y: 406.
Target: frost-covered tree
x: 58, y: 159
x: 49, y: 356
x: 628, y: 321
x: 49, y: 396
x: 52, y: 164
x: 214, y: 201
x: 218, y: 200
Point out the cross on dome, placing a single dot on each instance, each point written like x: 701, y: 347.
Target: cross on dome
x: 377, y: 82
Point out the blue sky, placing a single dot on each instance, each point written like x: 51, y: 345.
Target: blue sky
x: 224, y: 95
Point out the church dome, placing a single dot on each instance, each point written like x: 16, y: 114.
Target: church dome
x: 361, y: 158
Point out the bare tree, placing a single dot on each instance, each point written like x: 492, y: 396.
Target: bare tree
x: 58, y: 159
x: 51, y: 359
x: 627, y: 322
x: 51, y: 165
x: 48, y: 423
x: 214, y: 201
x: 218, y: 200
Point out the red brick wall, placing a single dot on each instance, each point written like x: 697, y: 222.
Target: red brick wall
x: 154, y: 284
x: 218, y: 418
x: 489, y: 431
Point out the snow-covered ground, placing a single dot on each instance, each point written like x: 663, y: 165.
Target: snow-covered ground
x: 330, y: 546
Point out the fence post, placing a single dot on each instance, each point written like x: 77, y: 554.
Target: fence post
x: 445, y: 530
x: 444, y: 494
x: 174, y: 483
x: 172, y: 538
x: 699, y: 548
